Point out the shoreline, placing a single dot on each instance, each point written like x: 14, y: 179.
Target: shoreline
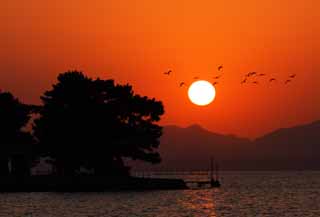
x: 87, y: 184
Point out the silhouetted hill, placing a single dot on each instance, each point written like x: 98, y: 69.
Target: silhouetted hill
x: 191, y: 147
x: 297, y: 147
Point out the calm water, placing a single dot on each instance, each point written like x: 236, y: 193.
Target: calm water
x: 243, y: 194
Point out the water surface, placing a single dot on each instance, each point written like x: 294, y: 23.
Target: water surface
x: 242, y: 194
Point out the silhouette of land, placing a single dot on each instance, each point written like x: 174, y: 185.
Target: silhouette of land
x: 90, y: 131
x: 85, y: 128
x: 296, y: 148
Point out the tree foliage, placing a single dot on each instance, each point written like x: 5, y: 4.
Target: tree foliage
x: 95, y: 123
x: 14, y: 141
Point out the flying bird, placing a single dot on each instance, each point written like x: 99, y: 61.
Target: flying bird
x: 195, y: 78
x: 250, y: 74
x: 255, y: 82
x: 217, y: 77
x: 244, y: 81
x: 168, y: 72
x: 181, y: 84
x: 261, y: 74
x: 292, y: 76
x: 272, y: 79
x: 220, y: 68
x: 215, y: 83
x: 287, y: 81
x: 253, y: 73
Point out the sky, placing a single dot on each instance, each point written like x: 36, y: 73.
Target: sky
x: 135, y: 41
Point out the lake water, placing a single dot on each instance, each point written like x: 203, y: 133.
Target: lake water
x: 242, y: 194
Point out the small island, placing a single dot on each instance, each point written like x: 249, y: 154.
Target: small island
x: 85, y: 129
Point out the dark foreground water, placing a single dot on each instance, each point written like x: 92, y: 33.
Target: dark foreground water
x: 242, y: 194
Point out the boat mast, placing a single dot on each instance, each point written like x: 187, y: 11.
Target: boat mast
x: 217, y: 171
x: 211, y: 168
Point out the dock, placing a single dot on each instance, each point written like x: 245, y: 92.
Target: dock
x: 192, y: 179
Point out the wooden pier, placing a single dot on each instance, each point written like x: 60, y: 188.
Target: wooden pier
x: 193, y: 179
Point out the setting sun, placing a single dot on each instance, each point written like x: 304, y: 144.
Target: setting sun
x: 201, y: 93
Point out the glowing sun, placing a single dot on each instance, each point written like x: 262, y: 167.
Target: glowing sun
x: 201, y: 92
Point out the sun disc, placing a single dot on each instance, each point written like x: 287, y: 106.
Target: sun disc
x: 201, y: 92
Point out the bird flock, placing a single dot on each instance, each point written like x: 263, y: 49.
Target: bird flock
x: 250, y: 77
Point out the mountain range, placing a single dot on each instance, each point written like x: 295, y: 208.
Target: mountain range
x: 190, y: 148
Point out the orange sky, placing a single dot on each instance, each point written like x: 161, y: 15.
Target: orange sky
x: 136, y: 40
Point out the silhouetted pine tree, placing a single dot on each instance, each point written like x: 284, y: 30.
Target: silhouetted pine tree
x: 95, y: 124
x: 15, y: 144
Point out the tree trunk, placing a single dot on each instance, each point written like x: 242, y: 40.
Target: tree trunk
x: 4, y: 167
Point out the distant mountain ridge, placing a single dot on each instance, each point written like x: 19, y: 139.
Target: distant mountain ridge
x: 191, y: 147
